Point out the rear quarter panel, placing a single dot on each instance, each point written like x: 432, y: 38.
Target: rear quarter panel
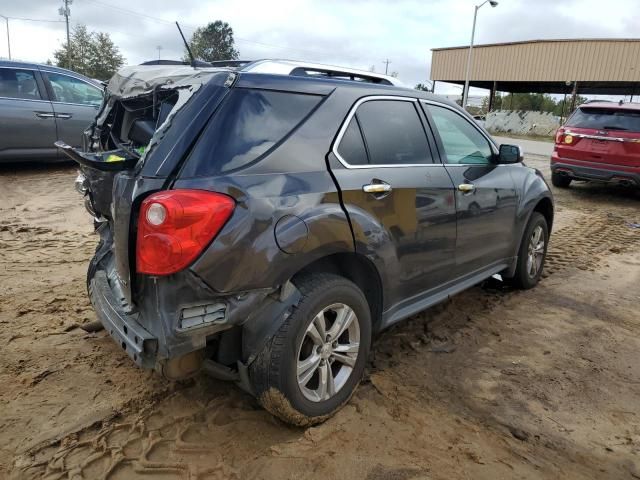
x: 292, y: 181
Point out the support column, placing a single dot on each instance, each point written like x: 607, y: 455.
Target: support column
x: 574, y: 94
x: 492, y: 96
x: 433, y: 87
x: 564, y: 106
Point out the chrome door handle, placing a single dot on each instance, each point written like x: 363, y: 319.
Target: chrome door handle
x: 63, y: 115
x: 466, y: 187
x: 377, y: 188
x: 44, y: 115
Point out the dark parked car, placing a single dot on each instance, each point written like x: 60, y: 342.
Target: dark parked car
x: 40, y: 104
x: 599, y: 142
x: 265, y: 226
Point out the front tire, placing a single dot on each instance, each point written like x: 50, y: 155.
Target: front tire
x: 315, y: 361
x: 560, y: 181
x: 532, y: 252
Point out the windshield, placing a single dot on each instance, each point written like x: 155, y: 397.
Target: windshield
x: 605, y: 119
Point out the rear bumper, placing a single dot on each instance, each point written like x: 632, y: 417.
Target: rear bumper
x: 124, y: 328
x: 600, y: 172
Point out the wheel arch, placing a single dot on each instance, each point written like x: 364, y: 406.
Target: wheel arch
x: 545, y: 207
x: 358, y: 269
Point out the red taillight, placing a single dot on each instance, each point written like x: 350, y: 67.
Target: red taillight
x: 560, y: 135
x: 175, y: 226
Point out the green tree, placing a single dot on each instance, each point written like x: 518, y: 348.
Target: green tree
x: 106, y: 58
x: 423, y: 87
x: 90, y: 53
x: 76, y: 55
x: 213, y: 42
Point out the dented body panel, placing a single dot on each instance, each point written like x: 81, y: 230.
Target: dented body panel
x: 292, y: 211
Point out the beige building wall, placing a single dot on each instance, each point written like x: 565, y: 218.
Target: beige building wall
x: 542, y: 61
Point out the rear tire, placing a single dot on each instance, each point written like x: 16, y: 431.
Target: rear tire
x: 560, y: 181
x: 532, y: 252
x: 313, y: 364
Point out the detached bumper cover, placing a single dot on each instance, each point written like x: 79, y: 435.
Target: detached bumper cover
x: 594, y: 171
x: 124, y: 328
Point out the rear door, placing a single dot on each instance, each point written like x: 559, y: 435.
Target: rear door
x: 391, y: 173
x: 75, y: 104
x: 27, y: 123
x: 602, y: 135
x: 486, y: 197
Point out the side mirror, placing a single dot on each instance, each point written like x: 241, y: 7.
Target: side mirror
x: 510, y: 154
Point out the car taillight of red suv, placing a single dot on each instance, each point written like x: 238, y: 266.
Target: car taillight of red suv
x: 599, y: 142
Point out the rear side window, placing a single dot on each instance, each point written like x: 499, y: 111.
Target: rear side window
x: 249, y: 124
x: 351, y: 147
x: 393, y: 133
x: 605, y: 119
x: 16, y: 83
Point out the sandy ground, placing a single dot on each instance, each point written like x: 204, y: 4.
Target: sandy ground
x: 493, y: 384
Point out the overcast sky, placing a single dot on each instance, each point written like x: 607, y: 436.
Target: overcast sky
x: 355, y: 33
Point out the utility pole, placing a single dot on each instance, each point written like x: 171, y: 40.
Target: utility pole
x: 465, y: 92
x: 66, y: 12
x: 159, y: 47
x: 6, y: 19
x: 386, y: 66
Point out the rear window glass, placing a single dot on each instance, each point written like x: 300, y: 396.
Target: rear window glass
x: 605, y: 119
x: 249, y: 124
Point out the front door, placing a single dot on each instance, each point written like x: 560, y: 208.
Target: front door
x: 27, y: 123
x: 398, y: 198
x: 75, y: 104
x: 486, y: 198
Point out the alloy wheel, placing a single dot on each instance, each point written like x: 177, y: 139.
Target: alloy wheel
x: 535, y: 252
x: 328, y: 352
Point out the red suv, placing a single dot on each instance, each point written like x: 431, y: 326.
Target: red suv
x: 600, y: 141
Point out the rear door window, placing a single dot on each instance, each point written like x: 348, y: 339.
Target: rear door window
x: 17, y: 83
x: 605, y: 119
x: 393, y: 133
x: 249, y: 124
x: 351, y: 148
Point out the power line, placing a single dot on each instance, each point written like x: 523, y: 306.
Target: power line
x: 24, y: 19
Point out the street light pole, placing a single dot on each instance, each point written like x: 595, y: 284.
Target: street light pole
x: 465, y: 93
x: 6, y: 19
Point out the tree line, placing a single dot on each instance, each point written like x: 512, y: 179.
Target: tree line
x: 536, y: 102
x: 95, y: 55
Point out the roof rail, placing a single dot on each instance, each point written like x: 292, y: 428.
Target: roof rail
x: 306, y: 69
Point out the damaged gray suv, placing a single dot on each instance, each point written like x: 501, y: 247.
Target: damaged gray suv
x: 262, y: 222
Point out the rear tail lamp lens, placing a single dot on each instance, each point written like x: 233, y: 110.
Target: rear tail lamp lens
x: 560, y: 135
x: 156, y: 214
x: 175, y: 226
